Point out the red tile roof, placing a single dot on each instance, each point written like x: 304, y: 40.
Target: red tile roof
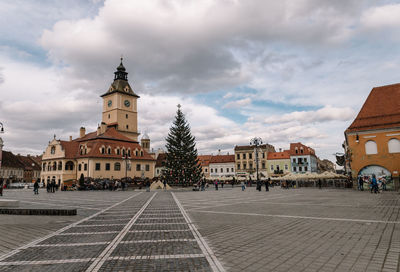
x: 110, y: 138
x: 10, y: 160
x: 222, y: 159
x: 278, y: 155
x: 306, y: 150
x: 29, y: 163
x: 380, y: 110
x: 204, y: 160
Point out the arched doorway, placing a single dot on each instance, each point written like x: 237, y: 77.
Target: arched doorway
x: 380, y: 172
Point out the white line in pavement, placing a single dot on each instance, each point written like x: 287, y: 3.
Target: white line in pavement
x: 159, y: 218
x: 86, y: 233
x: 209, y: 254
x: 158, y: 241
x: 98, y: 225
x: 15, y: 251
x: 45, y: 262
x: 133, y: 231
x: 305, y: 217
x: 72, y: 244
x: 99, y: 261
x: 147, y: 224
x: 157, y: 257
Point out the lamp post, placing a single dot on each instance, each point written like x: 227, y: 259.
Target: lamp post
x: 256, y: 142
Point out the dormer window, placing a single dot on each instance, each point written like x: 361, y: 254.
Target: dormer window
x: 103, y: 150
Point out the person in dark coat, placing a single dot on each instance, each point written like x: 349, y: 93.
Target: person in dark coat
x: 1, y: 186
x: 36, y: 188
x: 267, y: 185
x: 319, y: 183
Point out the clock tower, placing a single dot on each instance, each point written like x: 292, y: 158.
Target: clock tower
x: 120, y: 105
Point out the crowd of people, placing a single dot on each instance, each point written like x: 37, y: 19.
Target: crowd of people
x: 375, y: 184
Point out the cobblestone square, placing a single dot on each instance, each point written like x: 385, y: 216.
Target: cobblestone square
x: 225, y: 230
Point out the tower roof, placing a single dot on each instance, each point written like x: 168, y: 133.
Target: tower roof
x: 120, y: 84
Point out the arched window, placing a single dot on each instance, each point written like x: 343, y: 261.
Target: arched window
x: 394, y: 145
x: 123, y: 152
x: 301, y: 150
x: 44, y: 166
x: 54, y: 166
x: 141, y: 153
x: 117, y: 166
x: 103, y: 150
x: 59, y: 165
x: 53, y: 150
x: 371, y: 148
x: 118, y: 151
x: 137, y: 153
x: 109, y: 150
x: 129, y: 152
x: 69, y: 166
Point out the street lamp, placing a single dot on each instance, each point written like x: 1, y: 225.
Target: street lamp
x: 256, y: 142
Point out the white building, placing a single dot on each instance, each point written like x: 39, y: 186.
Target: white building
x: 222, y: 166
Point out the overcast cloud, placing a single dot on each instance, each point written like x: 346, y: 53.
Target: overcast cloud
x: 286, y: 71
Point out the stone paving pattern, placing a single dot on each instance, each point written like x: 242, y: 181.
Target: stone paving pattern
x: 281, y: 230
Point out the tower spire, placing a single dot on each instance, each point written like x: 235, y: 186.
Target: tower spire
x: 121, y: 72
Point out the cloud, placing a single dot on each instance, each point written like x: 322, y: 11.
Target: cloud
x: 325, y: 114
x: 238, y: 103
x: 381, y: 17
x: 191, y: 46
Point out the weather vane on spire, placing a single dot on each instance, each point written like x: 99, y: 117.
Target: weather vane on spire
x: 179, y: 106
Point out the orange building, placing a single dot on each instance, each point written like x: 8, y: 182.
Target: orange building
x: 373, y: 139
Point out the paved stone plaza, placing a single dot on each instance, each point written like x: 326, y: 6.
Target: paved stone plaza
x: 280, y: 230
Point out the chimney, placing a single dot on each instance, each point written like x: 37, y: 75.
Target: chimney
x: 280, y: 149
x: 70, y: 138
x: 82, y: 132
x: 103, y: 127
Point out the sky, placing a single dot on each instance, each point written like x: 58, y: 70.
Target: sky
x: 285, y: 71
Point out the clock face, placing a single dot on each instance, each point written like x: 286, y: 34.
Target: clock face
x: 109, y: 103
x: 127, y: 103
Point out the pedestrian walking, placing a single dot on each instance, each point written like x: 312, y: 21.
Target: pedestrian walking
x: 267, y: 185
x: 360, y: 183
x: 383, y: 184
x: 233, y: 182
x: 1, y: 186
x: 320, y: 184
x: 147, y: 185
x: 216, y: 185
x: 36, y: 188
x: 165, y: 184
x: 374, y: 185
x: 242, y: 184
x: 203, y: 184
x: 222, y: 184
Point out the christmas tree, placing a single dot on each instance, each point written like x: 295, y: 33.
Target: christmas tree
x: 181, y: 166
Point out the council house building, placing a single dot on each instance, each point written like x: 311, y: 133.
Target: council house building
x: 112, y: 151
